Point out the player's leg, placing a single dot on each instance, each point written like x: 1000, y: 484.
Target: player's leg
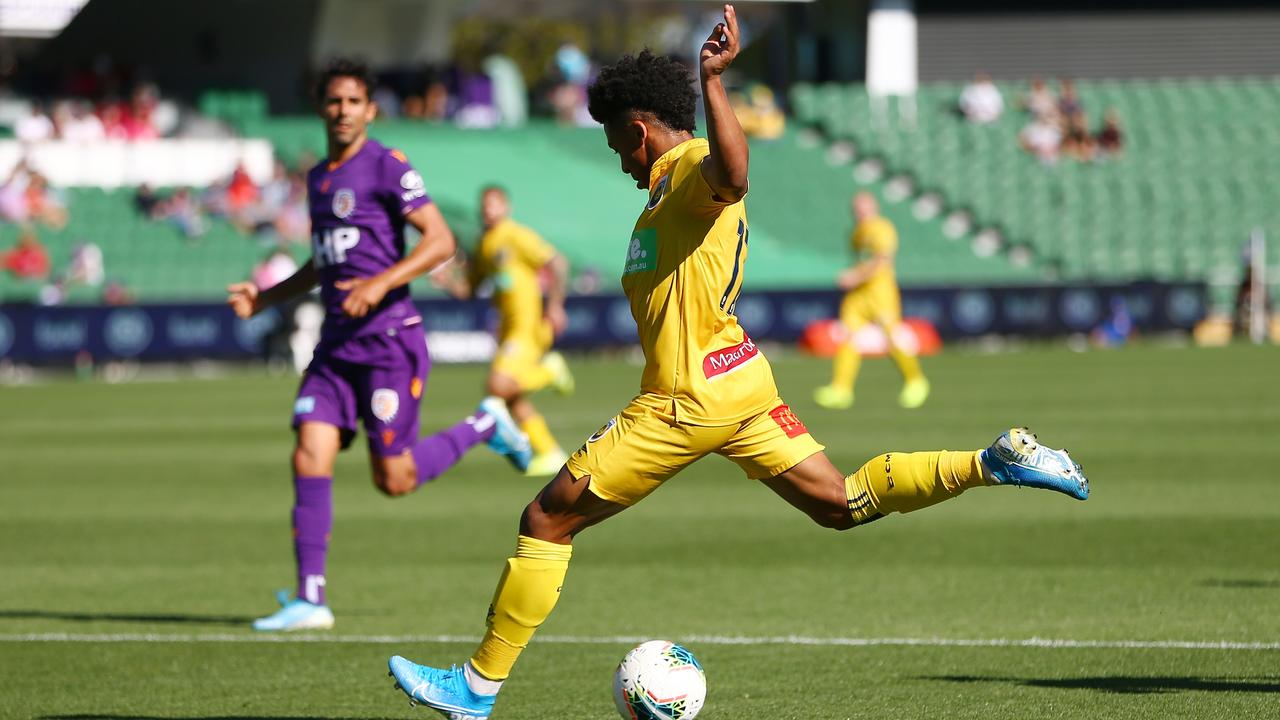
x: 324, y: 420
x: 518, y: 372
x: 915, y: 387
x: 905, y: 482
x: 617, y: 467
x: 838, y: 395
x: 390, y: 388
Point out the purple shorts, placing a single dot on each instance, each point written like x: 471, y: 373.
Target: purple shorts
x: 377, y: 377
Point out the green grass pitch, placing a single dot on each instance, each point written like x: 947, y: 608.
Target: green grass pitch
x: 135, y: 513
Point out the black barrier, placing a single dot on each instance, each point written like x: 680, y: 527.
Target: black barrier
x: 54, y: 335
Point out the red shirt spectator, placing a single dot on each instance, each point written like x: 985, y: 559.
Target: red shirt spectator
x: 241, y: 192
x: 28, y: 259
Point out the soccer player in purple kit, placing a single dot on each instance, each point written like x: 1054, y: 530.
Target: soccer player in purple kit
x: 371, y: 362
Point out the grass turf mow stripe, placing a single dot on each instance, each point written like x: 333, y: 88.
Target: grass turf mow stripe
x: 1048, y: 643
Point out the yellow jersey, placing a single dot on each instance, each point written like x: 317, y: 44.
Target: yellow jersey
x: 509, y: 255
x: 876, y: 237
x: 682, y: 276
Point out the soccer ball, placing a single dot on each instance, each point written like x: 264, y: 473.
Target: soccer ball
x: 659, y: 680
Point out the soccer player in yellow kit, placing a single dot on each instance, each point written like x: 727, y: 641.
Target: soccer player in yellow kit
x: 871, y: 296
x: 706, y: 387
x: 509, y: 257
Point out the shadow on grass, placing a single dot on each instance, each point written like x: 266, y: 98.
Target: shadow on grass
x: 126, y: 617
x: 1241, y: 584
x: 1131, y: 685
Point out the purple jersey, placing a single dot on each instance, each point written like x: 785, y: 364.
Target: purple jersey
x: 357, y: 230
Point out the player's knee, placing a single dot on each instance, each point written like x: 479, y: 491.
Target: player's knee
x: 834, y: 519
x: 394, y: 482
x: 307, y: 461
x: 502, y: 386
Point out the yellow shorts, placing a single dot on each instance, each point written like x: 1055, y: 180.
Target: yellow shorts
x: 880, y: 305
x: 518, y: 356
x: 641, y: 448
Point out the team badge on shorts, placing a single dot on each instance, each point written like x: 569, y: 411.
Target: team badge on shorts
x: 603, y: 431
x: 385, y: 404
x: 344, y: 203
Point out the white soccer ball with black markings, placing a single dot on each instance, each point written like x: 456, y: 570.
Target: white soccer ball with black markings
x: 659, y: 680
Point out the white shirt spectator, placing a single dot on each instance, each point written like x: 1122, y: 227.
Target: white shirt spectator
x: 36, y: 127
x: 86, y: 265
x: 981, y: 101
x: 1043, y: 139
x: 84, y: 128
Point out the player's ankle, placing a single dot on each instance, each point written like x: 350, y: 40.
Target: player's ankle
x: 478, y: 683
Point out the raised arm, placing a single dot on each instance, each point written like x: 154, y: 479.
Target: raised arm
x: 247, y: 300
x: 725, y: 169
x: 436, y: 246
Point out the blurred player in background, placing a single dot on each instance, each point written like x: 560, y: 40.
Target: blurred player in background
x: 372, y: 360
x: 510, y: 258
x: 706, y: 387
x: 871, y: 296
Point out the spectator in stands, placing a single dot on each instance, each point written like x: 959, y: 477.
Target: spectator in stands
x: 241, y: 195
x: 138, y: 122
x: 1110, y: 139
x: 28, y: 260
x: 1039, y: 100
x: 981, y: 102
x: 113, y: 125
x: 81, y: 125
x: 145, y: 200
x: 274, y: 268
x: 1077, y: 141
x: 184, y: 212
x: 758, y: 112
x: 13, y: 195
x: 45, y: 204
x: 1042, y: 137
x: 35, y: 126
x: 1068, y: 101
x: 86, y: 266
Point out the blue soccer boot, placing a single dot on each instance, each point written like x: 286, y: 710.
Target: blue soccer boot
x: 295, y: 614
x: 445, y: 691
x: 508, y: 440
x: 1016, y: 458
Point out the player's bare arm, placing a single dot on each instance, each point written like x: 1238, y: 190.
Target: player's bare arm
x: 554, y: 310
x: 725, y: 169
x: 436, y: 246
x: 247, y: 300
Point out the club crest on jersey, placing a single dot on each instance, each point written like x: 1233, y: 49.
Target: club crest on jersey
x: 385, y: 404
x: 344, y: 203
x: 659, y: 192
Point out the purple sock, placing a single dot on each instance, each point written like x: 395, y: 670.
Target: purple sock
x: 436, y: 453
x: 312, y: 523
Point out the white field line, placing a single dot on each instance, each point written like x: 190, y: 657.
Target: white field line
x: 1048, y: 643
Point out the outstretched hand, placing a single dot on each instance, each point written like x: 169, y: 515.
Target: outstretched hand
x: 243, y: 299
x: 721, y: 47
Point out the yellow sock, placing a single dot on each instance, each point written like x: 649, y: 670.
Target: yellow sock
x: 844, y: 369
x: 907, y: 364
x: 540, y: 437
x: 526, y: 595
x: 902, y: 482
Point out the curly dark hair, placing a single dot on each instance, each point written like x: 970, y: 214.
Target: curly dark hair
x: 646, y: 82
x: 343, y: 67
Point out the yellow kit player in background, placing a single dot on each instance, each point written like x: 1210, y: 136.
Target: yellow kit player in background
x: 509, y: 258
x: 706, y: 387
x: 871, y: 296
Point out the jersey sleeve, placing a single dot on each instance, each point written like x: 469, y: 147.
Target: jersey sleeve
x: 698, y: 194
x: 531, y: 248
x: 402, y: 184
x: 884, y: 239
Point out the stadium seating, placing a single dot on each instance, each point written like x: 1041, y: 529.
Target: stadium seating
x: 1197, y: 175
x: 565, y: 183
